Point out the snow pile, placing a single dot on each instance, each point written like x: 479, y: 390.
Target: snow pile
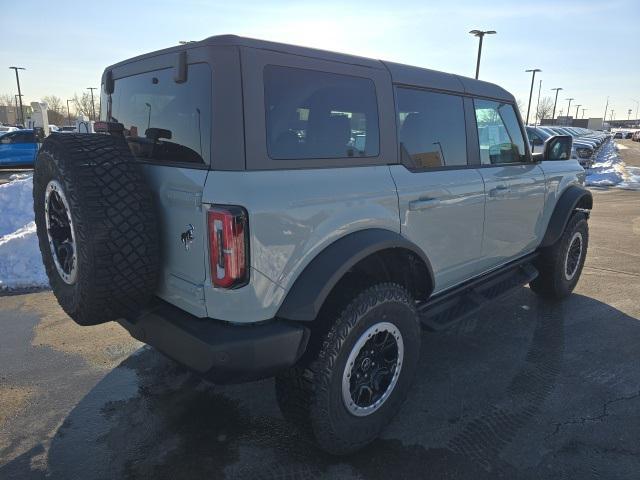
x: 609, y: 170
x: 20, y: 260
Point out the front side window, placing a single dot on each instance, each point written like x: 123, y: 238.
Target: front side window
x: 499, y: 133
x: 431, y: 129
x: 312, y: 114
x: 165, y: 121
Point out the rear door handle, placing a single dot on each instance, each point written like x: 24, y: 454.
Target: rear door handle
x: 423, y: 204
x: 499, y: 191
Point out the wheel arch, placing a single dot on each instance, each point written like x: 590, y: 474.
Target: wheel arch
x: 371, y: 251
x: 574, y: 197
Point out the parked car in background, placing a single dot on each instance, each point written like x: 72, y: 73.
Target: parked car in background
x: 54, y: 128
x: 67, y: 128
x: 18, y: 148
x: 581, y: 150
x: 5, y: 129
x: 636, y: 136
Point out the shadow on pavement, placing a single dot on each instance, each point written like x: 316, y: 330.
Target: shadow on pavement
x: 485, y: 404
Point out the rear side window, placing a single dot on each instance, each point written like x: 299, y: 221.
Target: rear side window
x: 499, y: 133
x: 312, y: 114
x: 431, y: 129
x: 165, y: 121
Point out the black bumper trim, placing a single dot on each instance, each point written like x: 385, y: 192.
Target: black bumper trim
x: 217, y: 350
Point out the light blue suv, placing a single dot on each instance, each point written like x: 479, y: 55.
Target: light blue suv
x: 254, y: 209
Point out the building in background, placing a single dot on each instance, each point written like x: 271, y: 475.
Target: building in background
x: 8, y: 114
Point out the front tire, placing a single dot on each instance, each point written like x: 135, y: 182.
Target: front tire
x: 353, y: 388
x: 560, y: 265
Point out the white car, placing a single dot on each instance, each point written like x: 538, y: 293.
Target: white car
x: 5, y: 129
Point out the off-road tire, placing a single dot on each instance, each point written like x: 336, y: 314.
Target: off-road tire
x: 310, y: 396
x: 552, y: 282
x: 114, y: 221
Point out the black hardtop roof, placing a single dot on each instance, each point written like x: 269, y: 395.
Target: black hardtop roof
x: 403, y: 74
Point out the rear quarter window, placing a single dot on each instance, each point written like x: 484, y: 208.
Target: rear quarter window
x: 315, y: 115
x: 165, y: 121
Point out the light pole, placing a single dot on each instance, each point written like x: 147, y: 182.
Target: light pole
x: 480, y: 34
x: 611, y: 118
x: 569, y: 107
x: 533, y: 77
x: 629, y: 114
x: 583, y: 110
x: 19, y: 92
x: 605, y: 110
x: 538, y: 104
x: 149, y: 117
x: 637, y: 104
x: 93, y: 105
x: 68, y: 113
x: 553, y: 115
x: 578, y: 108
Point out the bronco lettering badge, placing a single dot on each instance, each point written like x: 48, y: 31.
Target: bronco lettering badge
x: 187, y: 237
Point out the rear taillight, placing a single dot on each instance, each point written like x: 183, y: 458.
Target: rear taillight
x: 228, y: 246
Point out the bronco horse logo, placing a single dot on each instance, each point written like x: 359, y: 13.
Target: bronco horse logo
x: 187, y: 237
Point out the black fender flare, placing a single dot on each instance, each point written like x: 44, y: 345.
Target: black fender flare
x: 566, y: 204
x: 313, y: 285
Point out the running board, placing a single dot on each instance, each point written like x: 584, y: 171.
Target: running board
x: 445, y: 309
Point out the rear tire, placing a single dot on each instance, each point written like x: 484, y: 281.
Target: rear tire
x: 100, y: 248
x: 560, y: 265
x: 350, y: 391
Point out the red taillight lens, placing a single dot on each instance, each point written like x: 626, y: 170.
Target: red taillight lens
x: 228, y: 246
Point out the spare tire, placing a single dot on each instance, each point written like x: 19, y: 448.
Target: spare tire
x: 97, y: 226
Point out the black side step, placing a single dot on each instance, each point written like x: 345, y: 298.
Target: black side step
x: 445, y: 309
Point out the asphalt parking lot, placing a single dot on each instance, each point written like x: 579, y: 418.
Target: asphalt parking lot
x: 525, y: 389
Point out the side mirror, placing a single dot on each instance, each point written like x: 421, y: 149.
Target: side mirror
x: 558, y: 148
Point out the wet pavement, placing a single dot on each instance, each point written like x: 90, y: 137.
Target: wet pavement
x: 524, y: 389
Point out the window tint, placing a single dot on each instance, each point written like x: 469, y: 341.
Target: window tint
x: 313, y: 114
x: 431, y: 129
x: 165, y: 121
x: 499, y: 133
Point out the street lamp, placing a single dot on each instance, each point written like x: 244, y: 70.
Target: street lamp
x: 68, y: 113
x: 578, y: 108
x: 538, y: 105
x: 629, y: 114
x: 583, y: 110
x: 93, y: 107
x: 480, y: 34
x: 553, y: 115
x: 569, y: 107
x: 533, y: 77
x: 19, y: 92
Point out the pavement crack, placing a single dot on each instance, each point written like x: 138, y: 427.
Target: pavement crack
x: 592, y: 418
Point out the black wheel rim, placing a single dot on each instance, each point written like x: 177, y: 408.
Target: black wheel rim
x: 372, y: 369
x: 60, y: 232
x: 574, y: 255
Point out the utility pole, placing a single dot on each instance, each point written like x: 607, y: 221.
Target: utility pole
x: 480, y: 34
x: 538, y: 105
x: 69, y: 113
x: 577, y: 108
x: 93, y: 105
x: 19, y: 92
x: 533, y: 77
x: 568, y: 108
x: 553, y: 115
x: 605, y: 110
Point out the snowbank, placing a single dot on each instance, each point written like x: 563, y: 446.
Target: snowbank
x: 609, y: 170
x: 20, y: 260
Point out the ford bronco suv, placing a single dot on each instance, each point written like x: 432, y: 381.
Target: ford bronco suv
x: 254, y: 209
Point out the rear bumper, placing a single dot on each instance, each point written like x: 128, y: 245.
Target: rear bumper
x: 217, y: 350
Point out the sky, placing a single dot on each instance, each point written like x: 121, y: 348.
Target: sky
x: 589, y: 48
